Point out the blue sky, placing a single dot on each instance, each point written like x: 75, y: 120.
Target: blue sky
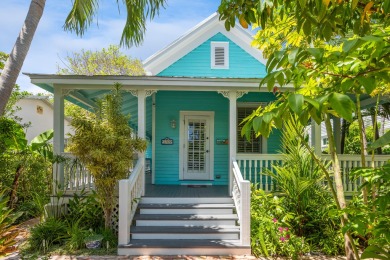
x: 51, y: 43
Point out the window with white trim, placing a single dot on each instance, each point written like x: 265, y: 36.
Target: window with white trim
x: 255, y: 144
x: 220, y: 55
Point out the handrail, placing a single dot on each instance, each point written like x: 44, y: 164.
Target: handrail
x: 130, y: 190
x: 241, y: 197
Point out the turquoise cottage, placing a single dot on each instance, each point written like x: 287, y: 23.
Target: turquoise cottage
x: 196, y: 200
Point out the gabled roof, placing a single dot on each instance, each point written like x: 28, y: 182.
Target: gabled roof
x: 195, y: 37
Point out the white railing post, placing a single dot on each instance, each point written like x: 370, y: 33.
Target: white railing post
x: 130, y: 191
x: 124, y: 212
x: 245, y: 222
x: 241, y: 191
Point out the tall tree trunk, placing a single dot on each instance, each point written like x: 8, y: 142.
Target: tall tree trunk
x: 15, y: 185
x: 376, y: 130
x: 344, y: 132
x: 350, y: 249
x: 16, y: 58
x: 363, y: 144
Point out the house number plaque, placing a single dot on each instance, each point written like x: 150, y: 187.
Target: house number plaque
x: 167, y: 141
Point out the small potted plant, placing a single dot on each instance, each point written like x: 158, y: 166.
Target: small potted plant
x: 93, y: 241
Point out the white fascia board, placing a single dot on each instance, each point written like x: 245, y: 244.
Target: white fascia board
x: 195, y: 37
x: 159, y: 83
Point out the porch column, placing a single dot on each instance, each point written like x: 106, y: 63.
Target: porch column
x: 337, y: 133
x: 232, y: 96
x: 142, y: 94
x: 316, y: 137
x: 58, y: 138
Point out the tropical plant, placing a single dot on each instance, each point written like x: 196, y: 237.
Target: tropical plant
x: 8, y: 231
x: 76, y: 235
x: 85, y: 209
x: 371, y: 221
x: 15, y: 145
x: 47, y: 234
x: 328, y: 51
x: 78, y: 20
x: 105, y: 145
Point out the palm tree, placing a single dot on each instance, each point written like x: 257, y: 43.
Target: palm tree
x: 80, y: 17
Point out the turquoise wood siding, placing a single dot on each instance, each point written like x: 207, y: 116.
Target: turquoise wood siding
x: 168, y: 107
x: 197, y: 63
x: 273, y: 141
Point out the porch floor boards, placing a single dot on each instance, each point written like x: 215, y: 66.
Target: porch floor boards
x: 176, y: 191
x: 183, y: 191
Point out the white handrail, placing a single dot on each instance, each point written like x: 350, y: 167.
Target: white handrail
x: 130, y: 191
x: 241, y: 197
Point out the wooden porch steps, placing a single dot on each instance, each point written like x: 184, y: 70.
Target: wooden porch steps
x: 190, y: 226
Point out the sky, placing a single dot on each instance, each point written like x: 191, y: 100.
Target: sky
x: 51, y: 44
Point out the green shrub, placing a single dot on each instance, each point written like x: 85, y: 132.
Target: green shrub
x: 8, y: 232
x: 76, y: 236
x: 85, y: 209
x: 47, y: 234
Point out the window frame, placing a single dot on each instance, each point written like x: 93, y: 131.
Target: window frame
x: 262, y: 140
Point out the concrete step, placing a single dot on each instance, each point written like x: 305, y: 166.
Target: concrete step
x: 185, y: 220
x: 214, y: 200
x: 174, y: 232
x: 184, y: 247
x: 168, y: 208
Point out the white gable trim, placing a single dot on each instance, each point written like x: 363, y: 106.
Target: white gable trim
x: 195, y: 37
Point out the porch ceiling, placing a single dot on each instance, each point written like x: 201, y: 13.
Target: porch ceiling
x: 85, y: 90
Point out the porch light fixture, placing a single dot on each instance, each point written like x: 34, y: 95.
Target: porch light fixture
x: 173, y: 123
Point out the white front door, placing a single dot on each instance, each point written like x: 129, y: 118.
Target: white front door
x: 197, y: 145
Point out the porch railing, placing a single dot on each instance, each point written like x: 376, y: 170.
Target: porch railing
x: 76, y: 176
x: 240, y: 190
x: 130, y: 191
x: 254, y: 166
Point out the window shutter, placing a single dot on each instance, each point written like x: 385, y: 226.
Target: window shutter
x: 219, y: 56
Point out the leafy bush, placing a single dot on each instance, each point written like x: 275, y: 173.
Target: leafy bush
x: 298, y: 221
x: 85, y: 209
x: 270, y: 231
x: 77, y: 235
x: 8, y: 232
x: 46, y: 234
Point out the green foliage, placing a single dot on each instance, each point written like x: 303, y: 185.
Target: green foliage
x: 313, y: 19
x: 11, y: 108
x: 76, y: 236
x: 24, y: 168
x: 110, y: 61
x: 47, y: 234
x: 85, y: 209
x: 270, y: 233
x: 3, y: 59
x: 104, y: 144
x: 372, y: 220
x: 8, y: 232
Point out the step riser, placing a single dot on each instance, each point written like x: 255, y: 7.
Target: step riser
x: 180, y: 223
x: 187, y: 211
x: 150, y: 200
x: 185, y: 236
x: 184, y: 251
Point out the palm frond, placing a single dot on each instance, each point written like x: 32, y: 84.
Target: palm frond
x: 81, y: 16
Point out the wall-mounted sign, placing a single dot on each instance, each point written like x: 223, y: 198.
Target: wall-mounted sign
x: 222, y: 141
x: 166, y: 141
